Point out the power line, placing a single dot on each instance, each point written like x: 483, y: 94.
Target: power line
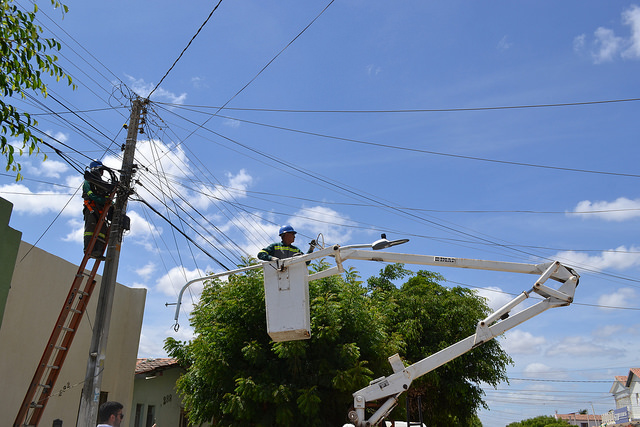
x: 257, y: 74
x: 436, y: 153
x: 185, y: 49
x: 417, y: 110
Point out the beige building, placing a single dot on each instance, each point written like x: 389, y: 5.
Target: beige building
x: 155, y: 396
x: 38, y: 288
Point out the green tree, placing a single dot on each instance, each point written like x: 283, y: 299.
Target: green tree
x: 24, y: 61
x: 540, y: 421
x: 237, y: 376
x: 430, y: 317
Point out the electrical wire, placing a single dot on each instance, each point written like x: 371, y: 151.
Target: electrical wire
x: 184, y: 234
x: 435, y: 153
x: 416, y: 110
x: 185, y: 49
x: 261, y: 70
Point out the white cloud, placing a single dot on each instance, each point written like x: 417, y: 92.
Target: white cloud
x: 199, y: 83
x: 320, y: 219
x: 235, y: 188
x: 520, y: 342
x: 159, y: 158
x: 607, y: 46
x: 147, y: 270
x: 30, y: 202
x: 143, y: 89
x: 620, y: 258
x: 607, y: 331
x: 373, y: 70
x: 142, y: 231
x: 579, y: 346
x: 631, y: 17
x: 537, y: 370
x: 77, y: 230
x: 172, y: 282
x: 496, y: 298
x: 504, y: 43
x: 579, y: 43
x: 152, y: 339
x: 621, y: 209
x: 232, y: 123
x: 47, y: 168
x: 623, y: 297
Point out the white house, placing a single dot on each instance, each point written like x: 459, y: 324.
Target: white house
x: 626, y: 393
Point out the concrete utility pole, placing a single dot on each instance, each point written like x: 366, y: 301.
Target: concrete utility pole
x: 88, y: 412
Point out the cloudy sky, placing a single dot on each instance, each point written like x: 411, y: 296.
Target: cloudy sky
x: 501, y: 131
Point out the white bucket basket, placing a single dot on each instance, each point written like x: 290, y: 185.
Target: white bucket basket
x: 286, y: 295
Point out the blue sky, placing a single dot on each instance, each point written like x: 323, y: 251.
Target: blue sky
x: 475, y: 129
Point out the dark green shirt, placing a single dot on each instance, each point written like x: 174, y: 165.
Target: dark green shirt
x: 92, y: 192
x: 278, y: 250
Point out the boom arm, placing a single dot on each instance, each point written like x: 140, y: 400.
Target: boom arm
x: 389, y: 388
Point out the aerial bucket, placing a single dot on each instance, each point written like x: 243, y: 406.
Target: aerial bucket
x: 286, y: 294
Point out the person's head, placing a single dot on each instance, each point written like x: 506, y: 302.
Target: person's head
x: 110, y: 413
x: 96, y: 167
x: 287, y: 234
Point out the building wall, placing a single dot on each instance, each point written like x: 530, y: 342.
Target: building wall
x: 634, y: 399
x: 158, y: 391
x: 9, y: 244
x: 40, y: 283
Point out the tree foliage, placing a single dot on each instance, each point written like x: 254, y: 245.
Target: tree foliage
x: 24, y: 61
x: 540, y: 421
x: 237, y: 376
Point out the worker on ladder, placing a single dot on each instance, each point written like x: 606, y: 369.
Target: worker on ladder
x: 95, y: 193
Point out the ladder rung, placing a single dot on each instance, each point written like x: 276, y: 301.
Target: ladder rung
x: 64, y: 328
x: 74, y: 310
x: 53, y: 367
x: 57, y: 347
x: 35, y: 405
x: 44, y: 385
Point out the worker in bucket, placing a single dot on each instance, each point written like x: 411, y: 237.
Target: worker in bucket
x: 285, y: 248
x: 95, y: 193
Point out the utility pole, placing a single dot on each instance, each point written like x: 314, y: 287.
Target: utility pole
x: 95, y: 365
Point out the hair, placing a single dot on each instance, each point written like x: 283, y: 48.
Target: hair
x: 107, y: 409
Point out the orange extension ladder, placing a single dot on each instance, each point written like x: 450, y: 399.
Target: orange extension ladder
x: 62, y: 336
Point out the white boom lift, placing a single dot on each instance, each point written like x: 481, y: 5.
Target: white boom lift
x: 287, y: 303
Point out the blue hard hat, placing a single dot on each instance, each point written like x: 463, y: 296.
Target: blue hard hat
x: 95, y: 164
x: 286, y: 229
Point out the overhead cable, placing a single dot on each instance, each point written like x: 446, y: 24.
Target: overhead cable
x: 184, y: 234
x: 412, y: 110
x: 185, y: 49
x: 261, y: 70
x: 436, y: 153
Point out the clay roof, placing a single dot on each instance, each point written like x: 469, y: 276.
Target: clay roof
x: 633, y: 372
x: 579, y: 417
x: 148, y: 365
x: 621, y: 378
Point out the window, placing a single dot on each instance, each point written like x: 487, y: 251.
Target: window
x: 137, y: 422
x: 151, y: 416
x: 184, y: 421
